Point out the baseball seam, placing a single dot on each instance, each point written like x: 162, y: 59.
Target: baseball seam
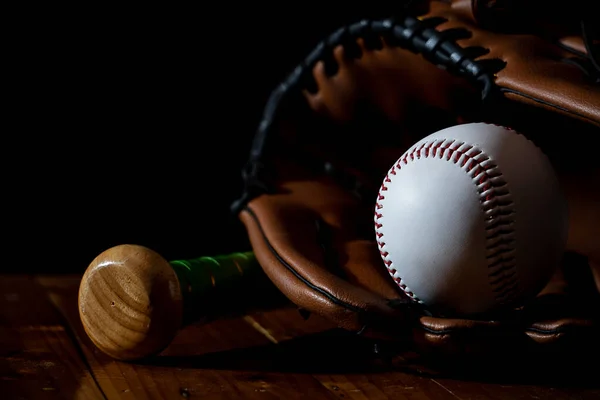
x: 496, y: 204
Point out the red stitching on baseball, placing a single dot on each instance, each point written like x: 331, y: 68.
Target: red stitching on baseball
x: 496, y: 205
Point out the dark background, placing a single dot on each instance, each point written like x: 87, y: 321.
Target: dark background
x: 132, y: 125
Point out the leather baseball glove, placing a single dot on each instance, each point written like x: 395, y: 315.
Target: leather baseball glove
x: 367, y: 92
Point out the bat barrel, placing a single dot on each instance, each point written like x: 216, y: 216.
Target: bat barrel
x: 132, y: 301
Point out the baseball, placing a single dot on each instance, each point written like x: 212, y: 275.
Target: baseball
x: 471, y: 219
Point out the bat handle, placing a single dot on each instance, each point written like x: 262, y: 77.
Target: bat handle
x: 204, y: 279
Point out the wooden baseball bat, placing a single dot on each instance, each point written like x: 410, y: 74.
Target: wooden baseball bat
x: 132, y: 301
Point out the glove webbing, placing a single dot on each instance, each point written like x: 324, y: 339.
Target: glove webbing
x: 416, y: 35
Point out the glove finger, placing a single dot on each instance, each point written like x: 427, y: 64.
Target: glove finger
x: 578, y: 97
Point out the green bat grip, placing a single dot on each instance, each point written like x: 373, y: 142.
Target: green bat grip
x: 208, y: 277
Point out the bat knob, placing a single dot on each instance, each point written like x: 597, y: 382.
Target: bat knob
x: 130, y: 302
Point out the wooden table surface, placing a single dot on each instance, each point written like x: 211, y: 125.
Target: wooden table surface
x: 271, y: 353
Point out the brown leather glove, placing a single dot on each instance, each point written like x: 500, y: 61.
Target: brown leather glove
x: 365, y: 94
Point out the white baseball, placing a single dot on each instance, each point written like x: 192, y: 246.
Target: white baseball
x: 471, y: 219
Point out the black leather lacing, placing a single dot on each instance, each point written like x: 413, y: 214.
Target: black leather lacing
x: 408, y: 32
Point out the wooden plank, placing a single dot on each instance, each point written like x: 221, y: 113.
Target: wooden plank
x: 38, y: 358
x: 343, y: 363
x: 349, y: 368
x: 220, y: 359
x: 276, y: 353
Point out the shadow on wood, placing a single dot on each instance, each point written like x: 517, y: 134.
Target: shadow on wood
x: 337, y: 351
